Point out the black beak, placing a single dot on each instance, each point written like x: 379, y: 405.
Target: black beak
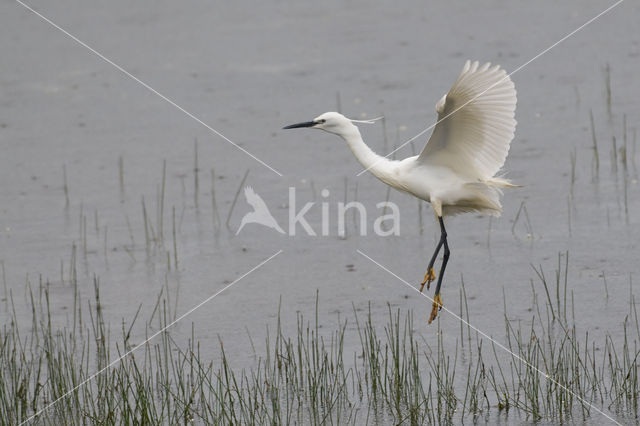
x: 297, y: 126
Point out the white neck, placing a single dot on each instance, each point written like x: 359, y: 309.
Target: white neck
x: 378, y: 165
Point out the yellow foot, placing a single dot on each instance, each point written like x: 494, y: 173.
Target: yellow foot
x: 437, y: 305
x: 428, y: 277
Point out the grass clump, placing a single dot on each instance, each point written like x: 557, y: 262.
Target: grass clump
x: 394, y: 376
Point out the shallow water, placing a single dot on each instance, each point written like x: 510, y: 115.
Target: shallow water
x: 247, y: 71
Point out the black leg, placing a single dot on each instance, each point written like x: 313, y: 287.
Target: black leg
x: 430, y: 274
x: 437, y: 300
x: 445, y: 257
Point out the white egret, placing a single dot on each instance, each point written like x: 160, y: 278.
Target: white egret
x: 457, y: 171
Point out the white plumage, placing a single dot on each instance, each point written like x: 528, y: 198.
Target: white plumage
x: 475, y: 123
x: 457, y: 171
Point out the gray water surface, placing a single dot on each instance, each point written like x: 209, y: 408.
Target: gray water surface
x: 247, y: 69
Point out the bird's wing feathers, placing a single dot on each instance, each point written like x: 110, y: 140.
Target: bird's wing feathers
x: 254, y: 199
x: 475, y: 122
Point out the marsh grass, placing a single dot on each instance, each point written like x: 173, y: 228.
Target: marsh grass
x: 400, y: 373
x: 391, y: 371
x: 196, y: 170
x: 594, y: 147
x: 235, y: 199
x: 215, y: 215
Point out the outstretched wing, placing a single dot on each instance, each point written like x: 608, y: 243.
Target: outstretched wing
x: 475, y: 122
x: 254, y: 200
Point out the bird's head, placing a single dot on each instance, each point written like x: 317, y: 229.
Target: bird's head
x: 331, y: 122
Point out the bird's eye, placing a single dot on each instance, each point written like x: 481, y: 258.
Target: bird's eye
x: 323, y: 121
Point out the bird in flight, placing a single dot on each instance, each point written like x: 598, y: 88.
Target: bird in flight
x: 260, y: 213
x: 458, y: 169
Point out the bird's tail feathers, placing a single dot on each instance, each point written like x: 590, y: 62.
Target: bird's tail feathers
x: 479, y: 196
x: 501, y: 182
